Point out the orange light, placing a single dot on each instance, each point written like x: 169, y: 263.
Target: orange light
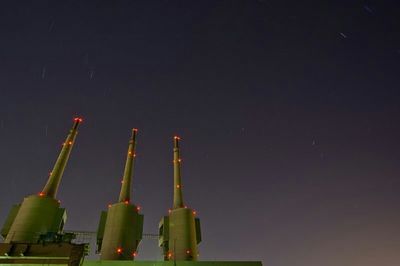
x: 185, y: 207
x: 109, y: 205
x: 70, y: 142
x: 122, y: 181
x: 134, y: 155
x: 194, y: 212
x: 169, y: 211
x: 129, y: 152
x: 126, y: 201
x: 169, y: 254
x: 188, y: 251
x: 41, y: 194
x: 178, y: 186
x: 134, y: 254
x: 119, y: 250
x: 138, y: 208
x: 176, y: 137
x: 179, y: 160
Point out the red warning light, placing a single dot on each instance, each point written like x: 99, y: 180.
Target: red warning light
x: 119, y: 250
x: 41, y: 194
x: 176, y: 137
x: 78, y: 119
x: 135, y: 129
x: 138, y: 208
x: 134, y: 254
x: 126, y: 201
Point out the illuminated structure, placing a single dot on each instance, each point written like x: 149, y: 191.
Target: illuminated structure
x: 120, y: 228
x: 179, y: 232
x: 33, y: 231
x: 40, y: 215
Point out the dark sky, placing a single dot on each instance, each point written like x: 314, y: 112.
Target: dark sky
x: 288, y: 110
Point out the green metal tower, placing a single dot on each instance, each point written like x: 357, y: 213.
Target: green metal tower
x: 179, y: 232
x: 121, y: 227
x: 40, y: 215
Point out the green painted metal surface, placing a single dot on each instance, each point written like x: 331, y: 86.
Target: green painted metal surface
x: 153, y: 263
x: 43, y: 253
x: 41, y: 214
x: 123, y: 232
x: 178, y: 198
x: 51, y: 187
x: 125, y: 194
x: 10, y: 219
x: 37, y: 215
x: 100, y: 230
x: 179, y: 232
x: 120, y: 228
x: 172, y: 263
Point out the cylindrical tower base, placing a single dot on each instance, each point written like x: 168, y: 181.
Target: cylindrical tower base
x: 122, y: 233
x: 37, y: 215
x: 182, y: 235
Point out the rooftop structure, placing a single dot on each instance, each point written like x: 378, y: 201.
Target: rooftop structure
x: 33, y: 231
x: 179, y: 232
x: 40, y: 214
x: 121, y: 226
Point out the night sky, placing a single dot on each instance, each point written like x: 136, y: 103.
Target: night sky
x: 288, y: 111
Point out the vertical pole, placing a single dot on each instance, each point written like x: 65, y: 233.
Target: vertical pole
x: 124, y: 195
x: 51, y: 187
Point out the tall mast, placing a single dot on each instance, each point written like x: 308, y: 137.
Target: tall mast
x: 51, y: 187
x: 179, y: 231
x: 178, y: 200
x: 124, y: 195
x: 121, y: 226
